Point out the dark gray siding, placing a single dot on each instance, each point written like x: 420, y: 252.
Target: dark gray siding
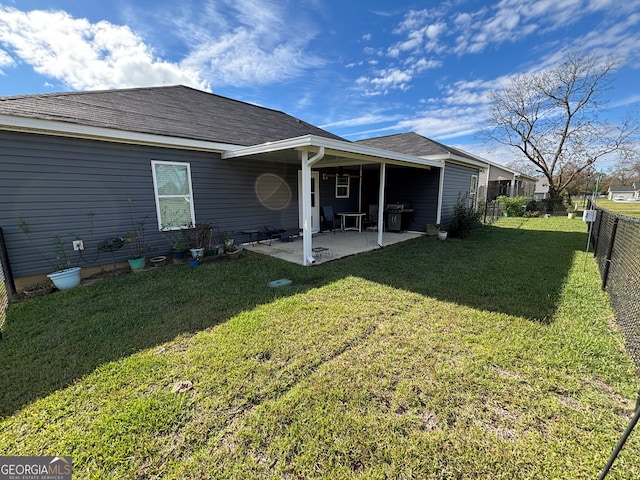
x: 416, y: 188
x: 457, y: 180
x: 54, y: 183
x: 327, y: 192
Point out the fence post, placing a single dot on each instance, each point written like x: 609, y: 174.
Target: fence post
x: 6, y: 266
x: 596, y: 240
x: 607, y: 261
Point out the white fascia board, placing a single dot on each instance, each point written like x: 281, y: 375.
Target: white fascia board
x: 332, y: 147
x: 447, y: 157
x: 490, y: 163
x: 65, y: 129
x: 526, y: 177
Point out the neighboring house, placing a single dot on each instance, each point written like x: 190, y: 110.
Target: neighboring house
x: 183, y: 156
x: 434, y: 195
x: 623, y: 193
x: 542, y: 189
x: 498, y: 180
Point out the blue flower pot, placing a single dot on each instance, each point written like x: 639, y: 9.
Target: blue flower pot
x: 66, y: 279
x: 137, y: 264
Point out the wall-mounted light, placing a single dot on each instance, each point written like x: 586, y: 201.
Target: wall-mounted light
x: 327, y: 176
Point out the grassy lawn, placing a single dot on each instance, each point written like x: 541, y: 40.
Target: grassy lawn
x: 489, y: 358
x: 630, y: 209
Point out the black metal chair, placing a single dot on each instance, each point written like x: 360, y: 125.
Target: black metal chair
x: 330, y: 219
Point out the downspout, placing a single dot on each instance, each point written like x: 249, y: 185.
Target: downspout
x: 440, y: 194
x: 307, y: 241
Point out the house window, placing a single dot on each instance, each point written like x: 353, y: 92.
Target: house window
x: 342, y: 186
x: 174, y: 196
x: 473, y: 190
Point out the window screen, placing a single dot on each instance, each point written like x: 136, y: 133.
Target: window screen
x: 174, y: 196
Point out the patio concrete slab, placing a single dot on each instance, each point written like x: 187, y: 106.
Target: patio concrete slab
x: 338, y: 245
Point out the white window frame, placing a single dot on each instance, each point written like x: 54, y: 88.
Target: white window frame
x: 347, y: 186
x: 473, y: 191
x: 192, y: 214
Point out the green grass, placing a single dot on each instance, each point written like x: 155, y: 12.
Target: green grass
x: 493, y: 357
x: 630, y: 209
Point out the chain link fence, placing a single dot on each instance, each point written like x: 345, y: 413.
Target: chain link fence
x: 6, y: 282
x: 616, y: 242
x: 490, y: 211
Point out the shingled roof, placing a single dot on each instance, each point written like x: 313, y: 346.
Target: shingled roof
x: 412, y: 143
x: 175, y: 111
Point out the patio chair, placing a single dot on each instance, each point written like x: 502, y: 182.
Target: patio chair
x: 269, y: 233
x: 330, y: 219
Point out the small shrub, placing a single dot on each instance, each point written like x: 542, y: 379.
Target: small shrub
x: 465, y: 219
x: 514, y: 206
x: 532, y: 206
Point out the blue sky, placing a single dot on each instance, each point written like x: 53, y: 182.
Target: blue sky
x: 356, y: 68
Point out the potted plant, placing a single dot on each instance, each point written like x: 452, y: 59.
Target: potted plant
x: 65, y: 274
x: 442, y: 233
x: 178, y: 247
x: 198, y: 236
x: 232, y: 251
x: 138, y: 245
x: 571, y: 212
x: 433, y: 229
x: 230, y: 248
x: 38, y: 289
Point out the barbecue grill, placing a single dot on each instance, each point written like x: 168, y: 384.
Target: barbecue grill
x: 397, y: 217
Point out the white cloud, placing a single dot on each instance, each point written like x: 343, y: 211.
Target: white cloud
x: 384, y: 81
x: 5, y: 61
x: 84, y: 55
x: 245, y: 42
x: 366, y: 119
x: 229, y: 42
x: 445, y: 121
x: 442, y: 32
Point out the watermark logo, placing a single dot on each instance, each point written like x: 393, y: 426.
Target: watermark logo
x: 35, y: 468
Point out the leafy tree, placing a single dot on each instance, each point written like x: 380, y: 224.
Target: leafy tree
x: 553, y: 119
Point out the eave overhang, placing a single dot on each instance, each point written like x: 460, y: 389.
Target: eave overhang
x: 337, y: 152
x: 74, y: 130
x: 459, y: 160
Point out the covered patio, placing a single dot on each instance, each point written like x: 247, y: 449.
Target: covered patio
x: 328, y: 246
x: 313, y: 154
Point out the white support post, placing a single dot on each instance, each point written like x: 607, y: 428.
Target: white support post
x: 383, y: 179
x: 306, y: 208
x: 440, y: 194
x: 307, y: 240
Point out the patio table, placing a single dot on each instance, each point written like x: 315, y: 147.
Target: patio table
x: 358, y: 220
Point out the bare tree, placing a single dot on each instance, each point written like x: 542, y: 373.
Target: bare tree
x: 553, y: 119
x: 626, y: 172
